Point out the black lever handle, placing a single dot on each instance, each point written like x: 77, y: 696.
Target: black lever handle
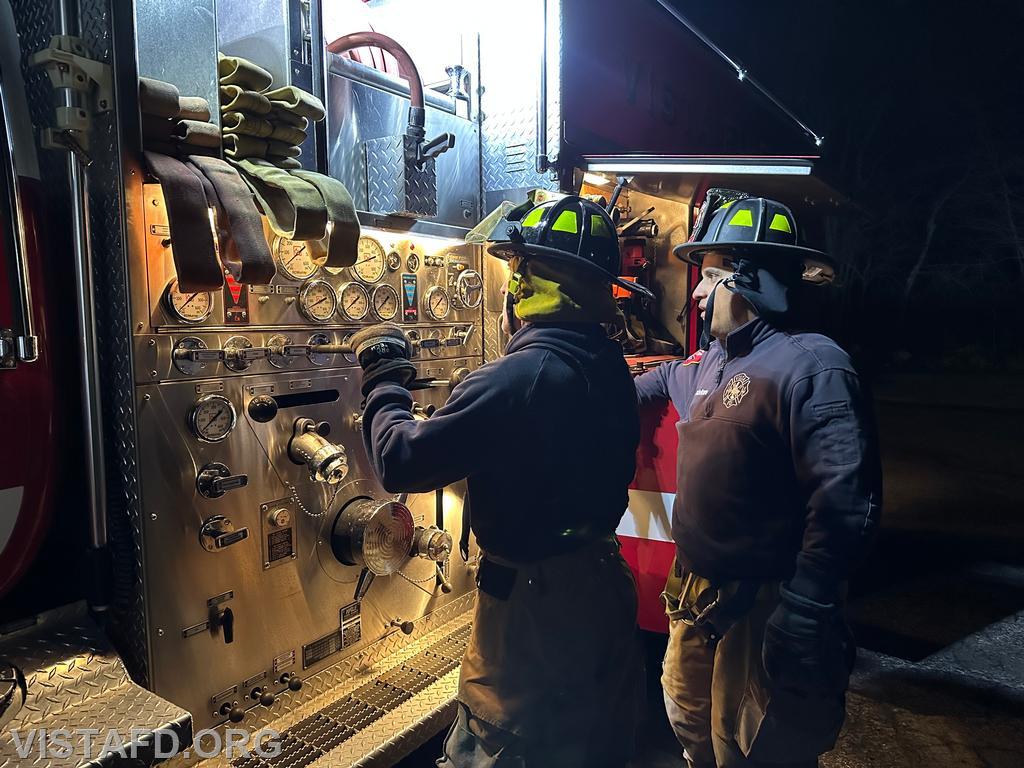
x: 437, y: 145
x: 227, y: 624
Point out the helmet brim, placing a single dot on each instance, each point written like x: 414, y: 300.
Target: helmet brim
x: 818, y: 266
x: 506, y: 250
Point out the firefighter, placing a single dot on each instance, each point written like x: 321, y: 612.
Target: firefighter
x: 779, y: 489
x: 546, y: 436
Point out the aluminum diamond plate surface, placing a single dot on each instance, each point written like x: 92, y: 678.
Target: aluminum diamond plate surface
x: 340, y: 694
x: 75, y: 680
x: 396, y: 186
x: 509, y: 103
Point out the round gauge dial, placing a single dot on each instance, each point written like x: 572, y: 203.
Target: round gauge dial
x: 438, y: 304
x: 212, y: 418
x: 371, y: 262
x: 186, y: 306
x: 434, y: 351
x: 295, y: 258
x: 317, y: 301
x: 394, y: 261
x: 347, y: 339
x: 385, y: 302
x: 469, y: 288
x: 354, y: 301
x: 413, y: 262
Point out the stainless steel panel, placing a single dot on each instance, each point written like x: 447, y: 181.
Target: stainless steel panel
x: 257, y: 30
x: 283, y: 608
x: 357, y: 112
x: 176, y: 42
x: 75, y: 680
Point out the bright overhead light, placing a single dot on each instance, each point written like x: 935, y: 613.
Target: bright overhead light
x: 594, y: 180
x: 749, y: 167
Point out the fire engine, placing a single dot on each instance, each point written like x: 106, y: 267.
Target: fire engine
x: 191, y: 536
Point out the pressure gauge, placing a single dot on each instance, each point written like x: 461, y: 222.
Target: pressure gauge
x: 317, y: 301
x: 413, y: 262
x: 212, y: 418
x: 438, y: 305
x: 295, y: 258
x: 185, y: 306
x: 469, y: 288
x: 385, y: 302
x: 394, y: 261
x: 354, y: 300
x: 371, y: 262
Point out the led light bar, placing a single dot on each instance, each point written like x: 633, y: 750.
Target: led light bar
x: 740, y: 166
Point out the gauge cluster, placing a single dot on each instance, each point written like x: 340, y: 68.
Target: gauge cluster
x: 394, y: 278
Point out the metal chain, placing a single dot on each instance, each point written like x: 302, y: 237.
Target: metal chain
x: 411, y: 580
x: 302, y: 507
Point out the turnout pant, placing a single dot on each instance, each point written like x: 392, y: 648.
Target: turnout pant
x: 552, y: 676
x: 724, y: 711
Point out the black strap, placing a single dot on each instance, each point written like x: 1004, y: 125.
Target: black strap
x: 466, y: 519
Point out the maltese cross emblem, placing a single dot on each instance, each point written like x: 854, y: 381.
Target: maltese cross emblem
x: 735, y: 390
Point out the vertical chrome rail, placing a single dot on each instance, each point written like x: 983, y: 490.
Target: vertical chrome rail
x: 92, y: 413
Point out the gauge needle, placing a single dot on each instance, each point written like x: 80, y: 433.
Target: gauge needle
x: 295, y: 256
x: 212, y: 419
x: 363, y: 261
x: 351, y: 303
x: 321, y: 301
x: 188, y: 300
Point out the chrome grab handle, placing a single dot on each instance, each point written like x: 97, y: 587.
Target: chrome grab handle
x: 26, y: 342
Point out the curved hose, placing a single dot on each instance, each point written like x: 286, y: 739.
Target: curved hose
x: 377, y: 40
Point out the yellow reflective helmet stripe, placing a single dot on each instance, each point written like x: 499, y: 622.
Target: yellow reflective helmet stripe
x: 533, y: 217
x: 566, y: 222
x: 742, y: 218
x: 599, y: 227
x: 780, y: 223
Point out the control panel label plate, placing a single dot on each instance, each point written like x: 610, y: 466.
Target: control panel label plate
x: 410, y: 299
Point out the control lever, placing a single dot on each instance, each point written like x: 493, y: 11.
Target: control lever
x: 291, y: 350
x: 436, y: 147
x: 263, y: 696
x: 215, y: 479
x: 330, y: 349
x: 406, y: 626
x: 198, y: 355
x: 219, y: 533
x: 224, y: 619
x: 326, y: 462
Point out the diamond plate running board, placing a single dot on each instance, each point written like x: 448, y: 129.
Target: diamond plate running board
x: 74, y: 681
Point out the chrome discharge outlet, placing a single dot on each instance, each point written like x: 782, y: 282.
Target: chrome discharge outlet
x: 326, y: 461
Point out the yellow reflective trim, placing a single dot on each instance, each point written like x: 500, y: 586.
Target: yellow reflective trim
x: 723, y: 206
x: 599, y: 227
x: 742, y: 218
x: 533, y: 217
x: 566, y: 222
x: 780, y: 223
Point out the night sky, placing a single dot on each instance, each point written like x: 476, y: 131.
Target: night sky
x: 921, y: 104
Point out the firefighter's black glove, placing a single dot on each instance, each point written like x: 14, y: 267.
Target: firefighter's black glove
x: 807, y: 646
x: 383, y: 353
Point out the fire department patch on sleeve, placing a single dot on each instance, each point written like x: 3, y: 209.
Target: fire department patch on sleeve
x: 735, y: 390
x: 694, y: 358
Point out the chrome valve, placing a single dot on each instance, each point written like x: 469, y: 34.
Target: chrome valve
x: 326, y: 461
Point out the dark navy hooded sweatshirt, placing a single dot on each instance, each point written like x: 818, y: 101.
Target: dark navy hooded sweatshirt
x: 546, y: 437
x: 778, y: 471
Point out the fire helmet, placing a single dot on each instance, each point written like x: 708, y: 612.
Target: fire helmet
x: 755, y: 228
x: 571, y: 230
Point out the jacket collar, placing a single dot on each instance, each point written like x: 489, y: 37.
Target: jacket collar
x: 747, y: 336
x: 534, y: 332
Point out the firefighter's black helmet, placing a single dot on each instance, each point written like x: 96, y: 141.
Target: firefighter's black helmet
x: 571, y: 230
x: 757, y: 228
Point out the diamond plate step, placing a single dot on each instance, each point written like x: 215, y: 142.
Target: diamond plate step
x: 76, y: 681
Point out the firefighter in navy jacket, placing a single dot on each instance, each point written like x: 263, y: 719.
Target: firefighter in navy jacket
x: 779, y: 490
x: 546, y: 436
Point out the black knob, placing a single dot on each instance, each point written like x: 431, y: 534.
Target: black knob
x: 234, y: 712
x: 293, y: 681
x: 263, y: 696
x: 262, y: 408
x: 407, y: 627
x: 323, y: 428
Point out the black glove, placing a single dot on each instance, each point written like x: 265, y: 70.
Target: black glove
x: 807, y: 646
x: 383, y: 352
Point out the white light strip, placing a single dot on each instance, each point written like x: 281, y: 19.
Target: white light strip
x: 745, y: 169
